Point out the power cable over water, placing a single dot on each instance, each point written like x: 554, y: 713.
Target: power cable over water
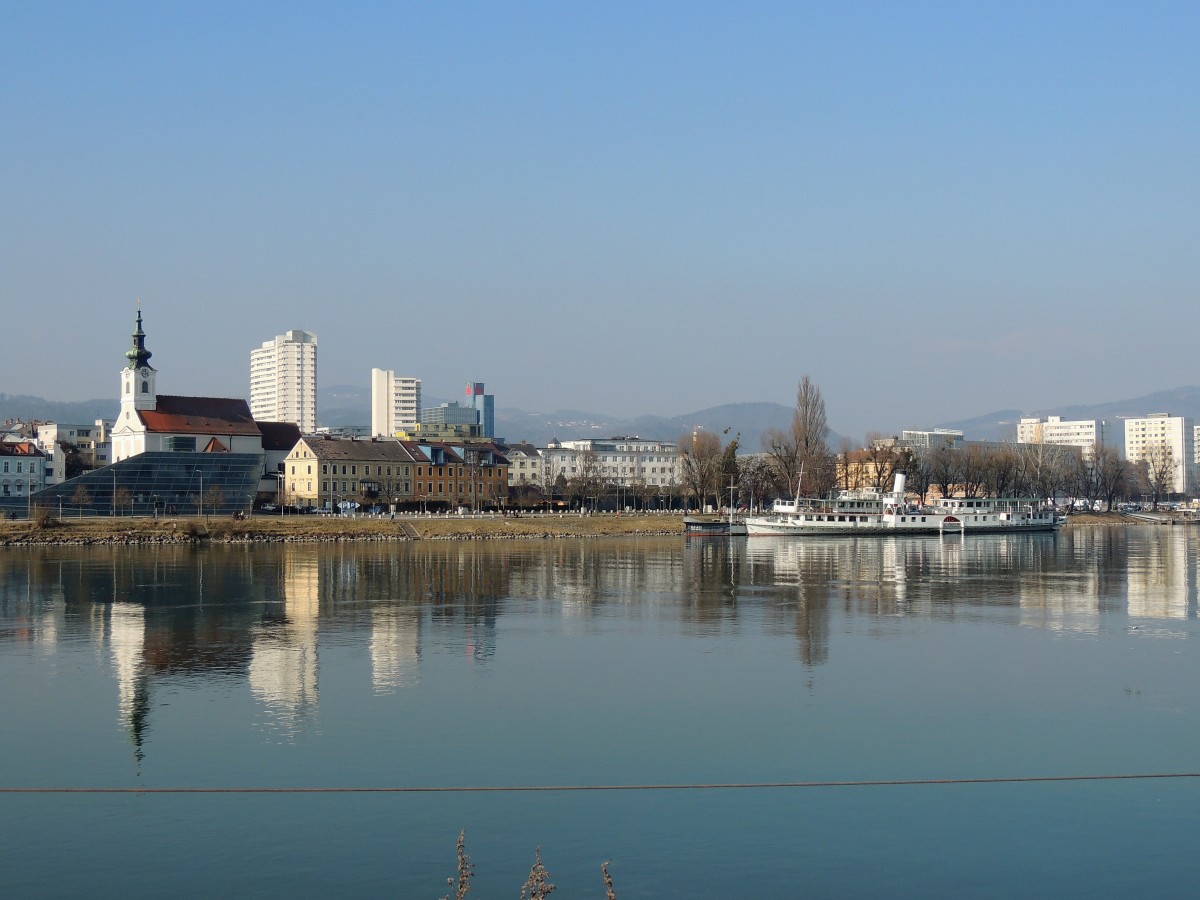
x: 571, y: 788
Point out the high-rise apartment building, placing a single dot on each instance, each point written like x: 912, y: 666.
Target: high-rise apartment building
x: 283, y: 380
x: 395, y: 402
x: 1166, y: 442
x: 1089, y: 434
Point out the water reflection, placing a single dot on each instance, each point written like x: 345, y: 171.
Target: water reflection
x: 283, y: 663
x: 259, y: 616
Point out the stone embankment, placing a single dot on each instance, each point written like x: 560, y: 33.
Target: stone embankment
x: 315, y: 529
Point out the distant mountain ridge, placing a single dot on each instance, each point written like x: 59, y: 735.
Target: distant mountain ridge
x: 1002, y: 424
x: 351, y: 405
x: 71, y: 412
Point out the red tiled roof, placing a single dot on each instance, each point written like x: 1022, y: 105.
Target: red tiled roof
x: 215, y: 446
x: 19, y: 448
x: 200, y: 415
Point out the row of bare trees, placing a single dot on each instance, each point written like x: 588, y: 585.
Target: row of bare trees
x: 799, y: 461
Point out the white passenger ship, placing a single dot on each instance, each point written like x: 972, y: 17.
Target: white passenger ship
x: 889, y: 512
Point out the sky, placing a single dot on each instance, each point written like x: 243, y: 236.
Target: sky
x: 934, y: 210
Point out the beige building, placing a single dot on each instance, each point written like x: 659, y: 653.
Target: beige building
x: 324, y: 471
x: 524, y: 465
x: 1089, y: 435
x: 625, y: 461
x: 1164, y: 433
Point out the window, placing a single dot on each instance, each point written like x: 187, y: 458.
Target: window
x: 145, y: 387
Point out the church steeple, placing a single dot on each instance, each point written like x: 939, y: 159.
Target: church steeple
x: 138, y: 355
x: 137, y: 377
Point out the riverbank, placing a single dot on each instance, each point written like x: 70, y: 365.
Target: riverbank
x: 320, y: 529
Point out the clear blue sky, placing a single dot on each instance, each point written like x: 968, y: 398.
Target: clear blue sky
x: 934, y: 210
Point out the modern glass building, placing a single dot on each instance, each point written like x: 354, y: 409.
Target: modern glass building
x: 179, y: 484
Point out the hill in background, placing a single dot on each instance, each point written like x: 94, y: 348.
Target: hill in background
x: 75, y: 412
x: 1002, y: 425
x: 351, y: 405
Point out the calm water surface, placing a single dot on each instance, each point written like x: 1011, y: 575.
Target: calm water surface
x: 605, y: 662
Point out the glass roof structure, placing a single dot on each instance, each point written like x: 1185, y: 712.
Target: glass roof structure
x: 149, y: 483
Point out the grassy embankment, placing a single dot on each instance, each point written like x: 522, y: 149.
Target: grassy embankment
x: 319, y: 529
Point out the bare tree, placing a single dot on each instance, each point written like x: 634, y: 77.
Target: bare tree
x: 1001, y: 472
x: 884, y: 461
x: 973, y: 469
x: 122, y: 501
x: 700, y: 464
x: 1160, y: 469
x: 81, y: 497
x: 1045, y: 468
x: 802, y: 453
x: 944, y: 466
x: 214, y: 498
x: 920, y: 475
x: 1113, y: 475
x: 756, y: 480
x: 590, y: 477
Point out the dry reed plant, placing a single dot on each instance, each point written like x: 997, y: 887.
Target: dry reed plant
x: 609, y: 892
x: 538, y: 886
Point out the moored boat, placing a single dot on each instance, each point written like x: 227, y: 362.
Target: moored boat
x: 891, y: 512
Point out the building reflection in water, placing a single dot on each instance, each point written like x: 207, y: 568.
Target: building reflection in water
x: 284, y: 660
x: 126, y: 648
x: 1162, y: 578
x: 395, y: 649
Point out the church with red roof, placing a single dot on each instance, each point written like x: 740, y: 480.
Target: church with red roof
x: 153, y: 422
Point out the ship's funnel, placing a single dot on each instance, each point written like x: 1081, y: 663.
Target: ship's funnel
x: 900, y: 480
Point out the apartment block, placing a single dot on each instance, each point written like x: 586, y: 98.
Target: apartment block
x: 283, y: 380
x: 395, y: 403
x: 1089, y: 435
x: 1162, y: 432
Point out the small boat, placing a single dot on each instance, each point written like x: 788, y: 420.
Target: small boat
x: 716, y: 526
x: 712, y: 526
x: 890, y: 512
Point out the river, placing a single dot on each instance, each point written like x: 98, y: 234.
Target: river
x: 797, y: 674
